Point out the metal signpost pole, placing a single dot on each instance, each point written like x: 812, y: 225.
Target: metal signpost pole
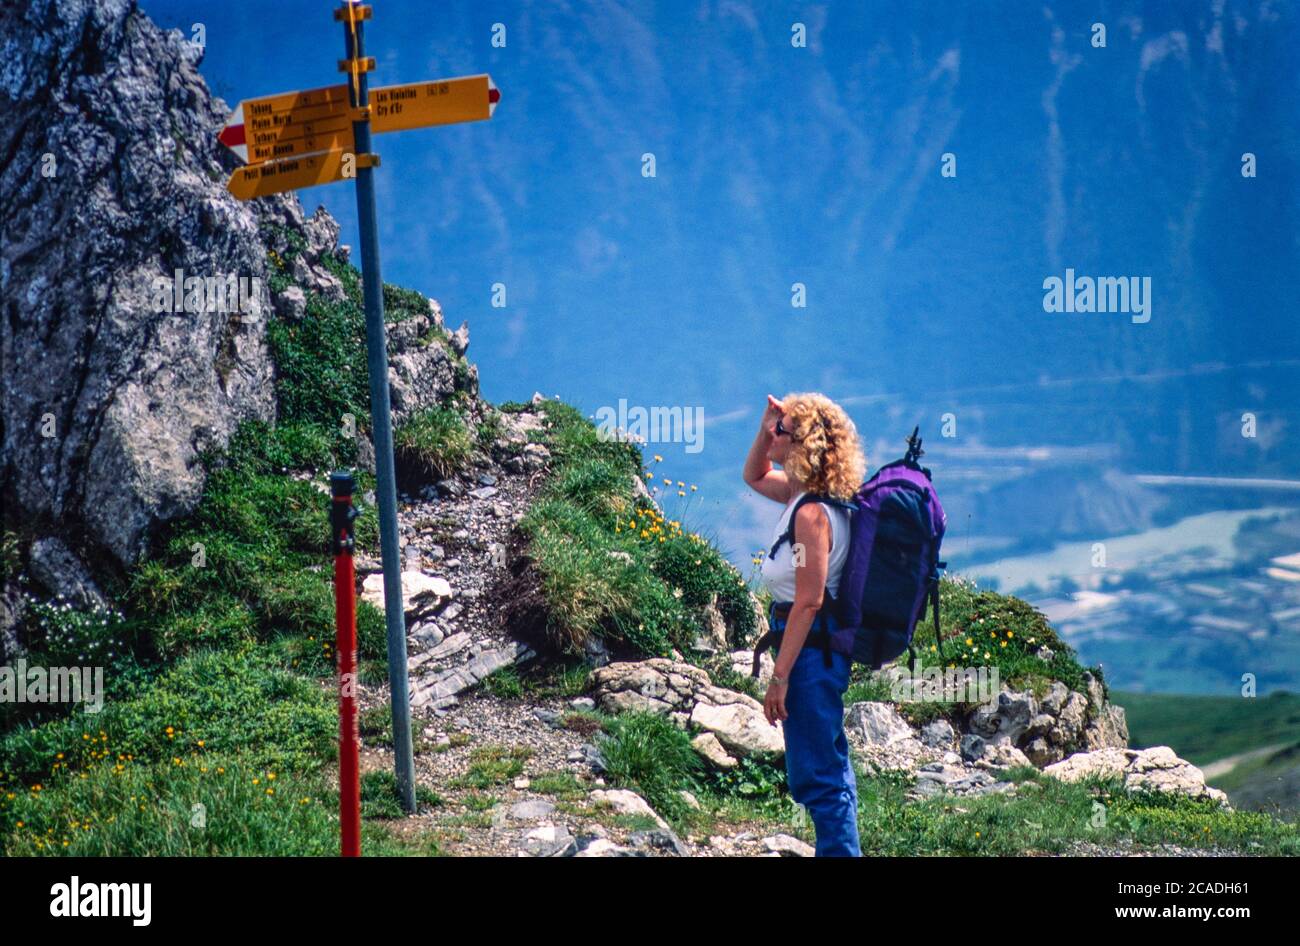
x: 380, y: 414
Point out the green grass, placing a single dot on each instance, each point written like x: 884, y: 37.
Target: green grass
x: 613, y: 566
x: 983, y: 628
x: 1049, y: 816
x: 540, y: 680
x: 433, y: 444
x: 505, y: 683
x: 559, y: 784
x: 648, y: 754
x: 477, y: 801
x: 493, y: 765
x: 980, y: 628
x: 321, y: 372
x: 251, y: 562
x: 376, y: 728
x: 200, y: 804
x: 380, y: 797
x: 231, y: 701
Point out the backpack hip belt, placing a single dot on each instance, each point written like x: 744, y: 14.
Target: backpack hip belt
x: 818, y: 636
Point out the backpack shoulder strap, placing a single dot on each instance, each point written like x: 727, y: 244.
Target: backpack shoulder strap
x: 788, y: 535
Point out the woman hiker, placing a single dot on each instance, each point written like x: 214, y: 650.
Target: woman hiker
x: 817, y: 447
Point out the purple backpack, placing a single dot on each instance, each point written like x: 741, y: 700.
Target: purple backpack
x: 897, y: 526
x: 893, y: 563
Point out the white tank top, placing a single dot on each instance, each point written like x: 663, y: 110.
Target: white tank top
x: 778, y: 573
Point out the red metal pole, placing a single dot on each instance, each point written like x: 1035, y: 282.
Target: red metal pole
x: 345, y: 620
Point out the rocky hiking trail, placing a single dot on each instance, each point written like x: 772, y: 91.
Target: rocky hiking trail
x: 486, y: 756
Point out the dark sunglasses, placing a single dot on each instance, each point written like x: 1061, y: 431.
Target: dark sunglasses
x: 781, y: 431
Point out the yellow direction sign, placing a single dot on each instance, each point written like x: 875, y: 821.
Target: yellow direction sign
x: 441, y: 102
x: 298, y: 123
x: 329, y: 134
x: 273, y: 177
x: 270, y: 120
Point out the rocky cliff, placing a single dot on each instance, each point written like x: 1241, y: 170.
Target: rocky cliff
x: 112, y: 185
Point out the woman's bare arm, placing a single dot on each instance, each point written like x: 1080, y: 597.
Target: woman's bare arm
x: 758, y: 472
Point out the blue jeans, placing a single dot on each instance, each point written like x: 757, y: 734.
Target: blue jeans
x: 817, y: 751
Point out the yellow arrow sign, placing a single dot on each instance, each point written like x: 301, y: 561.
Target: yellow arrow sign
x: 299, y: 123
x: 256, y: 124
x: 273, y: 177
x: 329, y: 135
x: 441, y: 102
x: 330, y: 96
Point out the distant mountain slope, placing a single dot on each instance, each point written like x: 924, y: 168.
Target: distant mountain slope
x: 1202, y: 729
x: 1269, y: 783
x: 1206, y: 729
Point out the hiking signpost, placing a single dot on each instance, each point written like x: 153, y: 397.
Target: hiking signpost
x: 299, y: 139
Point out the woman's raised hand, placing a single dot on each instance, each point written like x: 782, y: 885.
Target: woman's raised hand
x: 774, y: 410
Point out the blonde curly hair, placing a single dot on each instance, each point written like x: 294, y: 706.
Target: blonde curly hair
x: 825, y: 453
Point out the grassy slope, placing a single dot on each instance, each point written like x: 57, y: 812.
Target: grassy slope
x: 220, y: 692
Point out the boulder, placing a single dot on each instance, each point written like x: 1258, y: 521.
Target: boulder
x: 421, y: 593
x: 742, y: 662
x: 1157, y: 769
x: 740, y: 726
x: 657, y: 685
x: 1109, y: 730
x: 883, y: 740
x: 1069, y: 725
x: 938, y: 735
x: 991, y: 755
x: 112, y: 391
x: 137, y: 288
x: 1005, y: 719
x: 685, y: 693
x: 659, y: 839
x: 418, y: 376
x: 626, y: 802
x: 549, y: 840
x: 714, y: 638
x: 55, y: 566
x: 460, y: 339
x: 877, y: 724
x: 603, y: 847
x: 12, y: 605
x: 531, y: 809
x: 1056, y: 696
x: 944, y: 778
x: 291, y: 304
x: 707, y: 745
x: 787, y: 846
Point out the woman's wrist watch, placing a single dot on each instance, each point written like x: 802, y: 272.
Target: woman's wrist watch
x: 780, y: 681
